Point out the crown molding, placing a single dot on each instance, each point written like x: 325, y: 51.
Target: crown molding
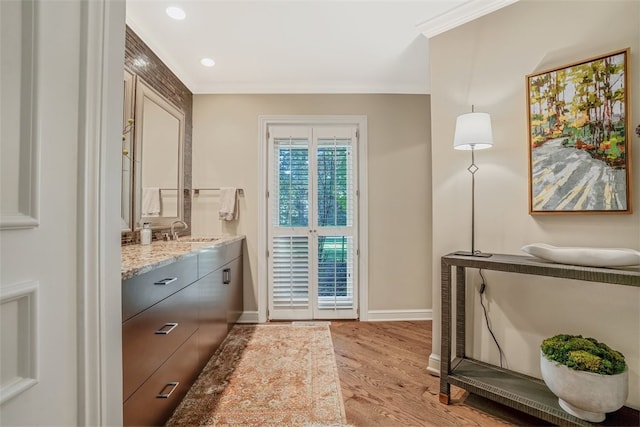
x: 462, y: 14
x: 351, y: 88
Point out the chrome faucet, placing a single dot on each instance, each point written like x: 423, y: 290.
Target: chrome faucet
x: 174, y: 234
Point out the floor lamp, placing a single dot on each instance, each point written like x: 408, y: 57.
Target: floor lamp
x: 473, y: 132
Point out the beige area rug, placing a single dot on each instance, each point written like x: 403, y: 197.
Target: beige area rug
x: 267, y: 375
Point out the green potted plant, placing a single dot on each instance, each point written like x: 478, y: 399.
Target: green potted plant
x: 589, y: 377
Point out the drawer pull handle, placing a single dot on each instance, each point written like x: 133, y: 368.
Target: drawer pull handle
x: 226, y: 276
x: 166, y: 281
x: 163, y: 331
x: 173, y: 385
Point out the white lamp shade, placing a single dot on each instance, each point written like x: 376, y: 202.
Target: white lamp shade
x: 473, y: 132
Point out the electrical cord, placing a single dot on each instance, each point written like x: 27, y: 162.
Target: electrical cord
x: 486, y: 316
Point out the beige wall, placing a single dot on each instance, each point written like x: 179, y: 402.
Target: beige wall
x: 485, y: 63
x: 225, y: 153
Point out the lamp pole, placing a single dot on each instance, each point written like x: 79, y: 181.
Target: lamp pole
x: 473, y: 169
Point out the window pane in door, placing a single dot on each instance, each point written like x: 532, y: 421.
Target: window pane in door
x: 292, y: 172
x: 335, y: 272
x: 335, y: 183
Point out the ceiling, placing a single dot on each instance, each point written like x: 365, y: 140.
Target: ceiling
x: 301, y: 46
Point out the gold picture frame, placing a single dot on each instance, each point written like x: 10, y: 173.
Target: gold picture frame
x: 579, y: 148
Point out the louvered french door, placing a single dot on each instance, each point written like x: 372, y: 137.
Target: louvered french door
x: 313, y: 215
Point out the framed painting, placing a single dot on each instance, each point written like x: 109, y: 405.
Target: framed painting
x: 579, y: 150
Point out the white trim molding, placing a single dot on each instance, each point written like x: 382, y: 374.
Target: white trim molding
x: 398, y: 315
x: 99, y: 281
x: 460, y: 15
x: 434, y: 364
x: 249, y: 317
x: 20, y: 327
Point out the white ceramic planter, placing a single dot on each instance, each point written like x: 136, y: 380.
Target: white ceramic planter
x: 586, y: 395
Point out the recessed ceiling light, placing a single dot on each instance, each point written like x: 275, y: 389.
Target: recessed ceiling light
x: 207, y: 62
x: 176, y: 12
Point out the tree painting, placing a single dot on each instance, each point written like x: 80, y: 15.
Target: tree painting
x: 579, y: 158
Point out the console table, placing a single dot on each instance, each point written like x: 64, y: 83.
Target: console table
x: 522, y: 392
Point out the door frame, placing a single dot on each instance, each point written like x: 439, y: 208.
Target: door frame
x: 363, y: 223
x: 99, y: 324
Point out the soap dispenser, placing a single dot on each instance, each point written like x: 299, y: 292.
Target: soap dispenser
x: 145, y: 234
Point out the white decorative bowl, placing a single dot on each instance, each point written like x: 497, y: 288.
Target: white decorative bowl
x: 586, y: 395
x: 590, y: 257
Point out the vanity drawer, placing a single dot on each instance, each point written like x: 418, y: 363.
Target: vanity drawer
x: 212, y: 314
x: 145, y: 407
x: 149, y: 338
x: 141, y: 292
x: 211, y: 259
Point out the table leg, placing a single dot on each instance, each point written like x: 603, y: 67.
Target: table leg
x: 461, y: 280
x: 445, y: 334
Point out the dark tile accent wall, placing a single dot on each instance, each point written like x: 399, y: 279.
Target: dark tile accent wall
x: 140, y: 60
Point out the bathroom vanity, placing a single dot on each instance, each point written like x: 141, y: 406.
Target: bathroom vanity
x: 179, y: 299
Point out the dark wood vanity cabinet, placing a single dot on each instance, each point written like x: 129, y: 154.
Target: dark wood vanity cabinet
x: 174, y: 318
x: 155, y: 400
x: 150, y: 338
x: 235, y: 304
x: 220, y: 289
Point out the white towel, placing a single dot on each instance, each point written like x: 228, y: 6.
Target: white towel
x: 150, y: 201
x: 228, y: 202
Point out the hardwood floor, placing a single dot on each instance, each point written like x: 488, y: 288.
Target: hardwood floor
x: 382, y: 369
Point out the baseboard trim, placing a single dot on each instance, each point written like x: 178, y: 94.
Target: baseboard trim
x: 373, y: 316
x: 248, y: 317
x: 434, y: 364
x: 398, y: 315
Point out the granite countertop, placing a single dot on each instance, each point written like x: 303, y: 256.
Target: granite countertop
x: 138, y: 259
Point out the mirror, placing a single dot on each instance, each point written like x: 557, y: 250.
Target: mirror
x: 127, y: 152
x: 159, y: 146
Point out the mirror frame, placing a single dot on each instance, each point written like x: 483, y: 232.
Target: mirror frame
x: 144, y: 90
x: 126, y: 209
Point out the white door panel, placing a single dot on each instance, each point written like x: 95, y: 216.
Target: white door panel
x: 46, y: 318
x: 47, y: 254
